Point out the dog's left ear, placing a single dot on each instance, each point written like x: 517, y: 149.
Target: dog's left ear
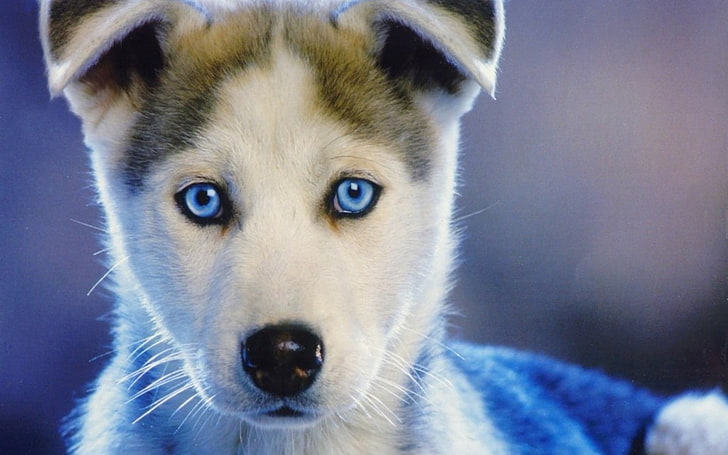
x: 435, y: 42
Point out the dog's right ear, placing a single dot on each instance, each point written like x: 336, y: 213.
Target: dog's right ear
x: 103, y: 54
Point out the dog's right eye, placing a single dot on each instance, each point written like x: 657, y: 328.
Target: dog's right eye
x: 204, y: 203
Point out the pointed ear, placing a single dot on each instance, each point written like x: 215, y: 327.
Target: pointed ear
x: 100, y: 43
x: 436, y: 41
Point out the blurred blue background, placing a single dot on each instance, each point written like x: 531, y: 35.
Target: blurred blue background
x: 594, y: 202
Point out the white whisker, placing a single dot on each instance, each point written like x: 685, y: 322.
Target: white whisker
x: 108, y: 272
x: 199, y: 407
x: 416, y: 372
x: 380, y: 408
x: 163, y: 400
x: 101, y: 356
x: 392, y: 388
x: 202, y: 411
x: 155, y: 361
x: 161, y: 381
x: 475, y: 213
x: 184, y: 403
x: 91, y: 226
x: 435, y: 340
x: 101, y: 251
x: 143, y: 346
x: 403, y: 366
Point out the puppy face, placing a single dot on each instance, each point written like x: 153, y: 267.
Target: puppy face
x: 278, y: 153
x: 277, y: 166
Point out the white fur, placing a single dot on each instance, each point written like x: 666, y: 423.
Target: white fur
x: 691, y: 425
x: 277, y: 183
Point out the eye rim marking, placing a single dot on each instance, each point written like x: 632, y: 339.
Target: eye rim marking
x: 335, y: 208
x: 222, y: 215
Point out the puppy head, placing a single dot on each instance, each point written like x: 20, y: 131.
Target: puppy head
x: 273, y: 169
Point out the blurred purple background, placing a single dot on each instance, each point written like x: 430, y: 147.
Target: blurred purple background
x: 602, y: 168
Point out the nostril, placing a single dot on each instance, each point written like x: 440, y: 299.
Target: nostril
x: 283, y: 360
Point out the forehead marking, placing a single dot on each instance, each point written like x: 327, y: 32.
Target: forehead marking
x: 354, y: 90
x: 351, y: 89
x: 180, y: 107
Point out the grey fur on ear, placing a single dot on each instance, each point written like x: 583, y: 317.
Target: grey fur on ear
x: 468, y: 33
x: 76, y: 34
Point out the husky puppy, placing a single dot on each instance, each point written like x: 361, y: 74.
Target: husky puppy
x: 277, y: 179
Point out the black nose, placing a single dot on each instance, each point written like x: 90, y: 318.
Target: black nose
x: 283, y: 360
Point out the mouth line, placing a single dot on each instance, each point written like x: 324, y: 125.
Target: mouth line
x: 285, y: 412
x: 284, y: 416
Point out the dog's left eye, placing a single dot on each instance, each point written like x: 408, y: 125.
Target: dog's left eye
x: 204, y: 203
x: 354, y: 197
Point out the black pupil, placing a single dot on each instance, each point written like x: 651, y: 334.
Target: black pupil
x: 354, y: 190
x: 202, y: 198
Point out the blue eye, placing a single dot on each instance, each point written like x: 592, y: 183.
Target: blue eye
x: 204, y: 203
x: 354, y: 197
